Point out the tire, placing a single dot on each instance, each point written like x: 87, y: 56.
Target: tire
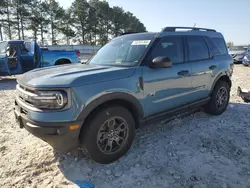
x: 214, y: 107
x: 98, y: 131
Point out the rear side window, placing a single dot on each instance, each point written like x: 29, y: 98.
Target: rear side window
x: 221, y: 45
x: 213, y: 47
x: 171, y: 47
x: 197, y: 48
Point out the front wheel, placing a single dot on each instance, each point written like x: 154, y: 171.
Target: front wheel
x: 219, y: 98
x: 108, y: 134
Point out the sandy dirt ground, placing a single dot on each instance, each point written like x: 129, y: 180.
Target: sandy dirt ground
x: 197, y: 151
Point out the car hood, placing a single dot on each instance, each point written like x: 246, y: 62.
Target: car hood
x: 73, y: 75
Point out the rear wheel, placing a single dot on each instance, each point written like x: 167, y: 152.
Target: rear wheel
x: 219, y: 98
x: 108, y: 135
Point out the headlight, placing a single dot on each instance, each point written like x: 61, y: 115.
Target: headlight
x: 50, y: 99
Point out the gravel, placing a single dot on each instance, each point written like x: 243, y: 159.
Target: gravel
x: 198, y: 150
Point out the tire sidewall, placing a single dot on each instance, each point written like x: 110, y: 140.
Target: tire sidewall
x: 213, y: 107
x: 88, y: 135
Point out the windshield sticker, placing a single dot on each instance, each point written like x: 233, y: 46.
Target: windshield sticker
x: 141, y: 42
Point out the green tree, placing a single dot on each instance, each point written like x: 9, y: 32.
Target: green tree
x: 55, y: 14
x: 132, y: 24
x: 80, y: 13
x: 104, y: 21
x: 118, y: 17
x: 20, y: 14
x: 43, y: 20
x: 65, y: 26
x: 6, y: 22
x: 34, y: 20
x: 2, y: 14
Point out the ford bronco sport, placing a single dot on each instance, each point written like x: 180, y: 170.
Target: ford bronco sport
x: 133, y: 79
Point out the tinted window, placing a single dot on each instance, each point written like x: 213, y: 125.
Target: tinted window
x: 170, y: 47
x: 197, y: 48
x: 213, y: 47
x: 23, y: 49
x: 221, y: 45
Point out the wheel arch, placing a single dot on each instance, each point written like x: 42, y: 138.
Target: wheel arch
x: 58, y: 61
x: 123, y: 99
x: 223, y: 77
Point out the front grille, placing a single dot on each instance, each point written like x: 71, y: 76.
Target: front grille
x: 24, y: 94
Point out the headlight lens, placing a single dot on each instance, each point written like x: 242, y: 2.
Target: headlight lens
x: 50, y: 99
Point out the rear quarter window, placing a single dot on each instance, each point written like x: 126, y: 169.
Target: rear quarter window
x: 213, y: 47
x: 220, y: 44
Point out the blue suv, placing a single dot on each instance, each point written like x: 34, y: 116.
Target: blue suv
x: 134, y: 79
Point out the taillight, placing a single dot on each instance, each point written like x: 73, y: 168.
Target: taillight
x: 78, y: 53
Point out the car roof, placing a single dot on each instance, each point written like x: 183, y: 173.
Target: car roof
x: 16, y: 41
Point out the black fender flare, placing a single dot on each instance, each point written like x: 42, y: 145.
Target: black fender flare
x: 130, y: 99
x: 219, y: 76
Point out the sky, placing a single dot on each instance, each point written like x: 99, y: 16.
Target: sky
x: 230, y: 17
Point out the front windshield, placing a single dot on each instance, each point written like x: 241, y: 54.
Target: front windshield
x: 237, y: 48
x: 3, y: 46
x: 123, y: 51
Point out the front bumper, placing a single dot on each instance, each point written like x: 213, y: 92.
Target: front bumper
x: 58, y: 134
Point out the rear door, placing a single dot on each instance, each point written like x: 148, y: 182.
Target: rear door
x: 203, y: 66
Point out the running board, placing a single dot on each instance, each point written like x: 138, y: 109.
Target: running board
x: 177, y: 112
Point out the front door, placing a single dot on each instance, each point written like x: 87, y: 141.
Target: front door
x: 13, y: 54
x: 167, y: 88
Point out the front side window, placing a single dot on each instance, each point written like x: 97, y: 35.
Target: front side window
x: 171, y: 47
x: 123, y: 51
x: 197, y: 48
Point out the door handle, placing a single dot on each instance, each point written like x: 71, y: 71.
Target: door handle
x: 212, y: 67
x: 183, y: 72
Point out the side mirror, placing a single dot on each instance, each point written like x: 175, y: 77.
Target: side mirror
x: 161, y: 62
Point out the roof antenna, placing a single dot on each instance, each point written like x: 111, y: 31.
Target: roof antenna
x: 194, y: 24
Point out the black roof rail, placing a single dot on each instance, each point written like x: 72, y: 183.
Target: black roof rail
x: 173, y: 29
x: 126, y: 33
x: 131, y: 32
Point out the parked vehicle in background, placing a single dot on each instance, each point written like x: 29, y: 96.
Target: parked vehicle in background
x: 237, y: 52
x: 18, y: 56
x: 246, y: 59
x: 132, y: 80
